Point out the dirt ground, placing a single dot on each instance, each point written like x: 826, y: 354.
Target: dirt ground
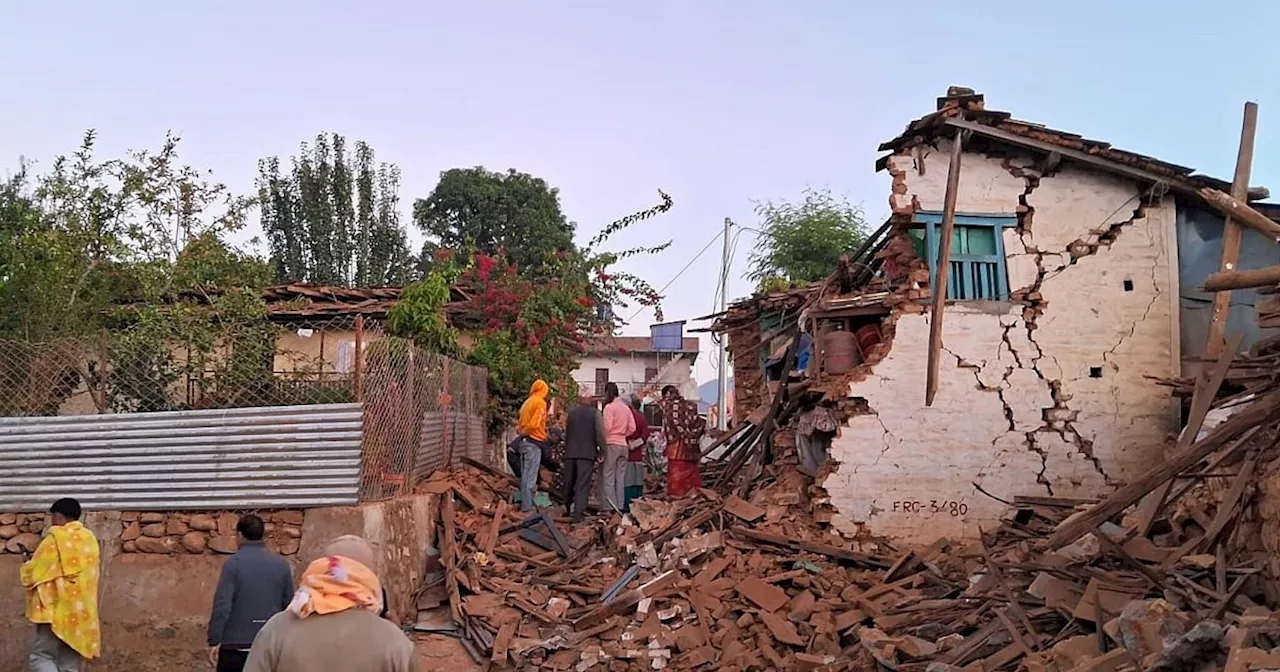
x: 441, y: 652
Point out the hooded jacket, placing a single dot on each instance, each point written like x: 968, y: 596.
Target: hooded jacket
x: 533, y: 413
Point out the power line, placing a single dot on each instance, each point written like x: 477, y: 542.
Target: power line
x: 677, y: 275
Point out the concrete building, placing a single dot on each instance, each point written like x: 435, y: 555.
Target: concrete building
x: 637, y: 366
x: 1074, y: 281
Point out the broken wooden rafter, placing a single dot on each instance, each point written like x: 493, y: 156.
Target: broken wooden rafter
x: 1241, y: 213
x: 1226, y: 512
x: 1228, y: 280
x: 938, y: 287
x: 725, y: 438
x: 811, y: 547
x: 1201, y: 401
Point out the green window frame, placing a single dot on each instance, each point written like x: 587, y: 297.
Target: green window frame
x: 768, y: 322
x: 977, y: 266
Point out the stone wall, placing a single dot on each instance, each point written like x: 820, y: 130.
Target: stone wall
x: 155, y: 605
x: 1044, y: 394
x: 205, y: 533
x: 20, y: 532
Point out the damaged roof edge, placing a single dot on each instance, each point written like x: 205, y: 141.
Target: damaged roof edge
x: 1002, y: 127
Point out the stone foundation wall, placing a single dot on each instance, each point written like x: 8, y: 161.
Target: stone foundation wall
x: 166, y: 533
x: 155, y: 606
x: 205, y: 533
x: 20, y: 532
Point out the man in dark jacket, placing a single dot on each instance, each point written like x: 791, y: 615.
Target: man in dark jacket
x: 583, y: 442
x: 255, y: 585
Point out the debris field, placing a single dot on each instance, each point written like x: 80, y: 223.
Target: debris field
x: 1172, y: 571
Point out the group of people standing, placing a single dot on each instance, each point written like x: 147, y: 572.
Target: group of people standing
x: 610, y: 440
x: 334, y: 619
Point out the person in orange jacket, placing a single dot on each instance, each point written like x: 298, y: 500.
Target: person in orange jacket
x: 532, y: 429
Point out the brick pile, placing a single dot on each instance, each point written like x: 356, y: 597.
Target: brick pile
x: 1169, y: 572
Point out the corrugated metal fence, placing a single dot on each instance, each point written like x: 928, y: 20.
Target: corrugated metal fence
x: 446, y: 437
x: 266, y: 457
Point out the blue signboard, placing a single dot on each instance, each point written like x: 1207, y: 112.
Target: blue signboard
x: 668, y: 337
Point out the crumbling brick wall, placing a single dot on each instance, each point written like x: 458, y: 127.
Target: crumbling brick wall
x: 748, y: 378
x: 1043, y: 394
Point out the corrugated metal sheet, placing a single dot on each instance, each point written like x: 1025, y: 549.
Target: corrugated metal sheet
x: 431, y: 445
x: 461, y: 436
x: 280, y: 456
x: 1199, y: 253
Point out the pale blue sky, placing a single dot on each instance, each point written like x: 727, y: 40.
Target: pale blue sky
x: 717, y: 102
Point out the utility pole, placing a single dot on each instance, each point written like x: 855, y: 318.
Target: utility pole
x: 722, y: 418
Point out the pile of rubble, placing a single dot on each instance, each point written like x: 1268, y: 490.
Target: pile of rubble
x: 1176, y: 570
x: 707, y: 582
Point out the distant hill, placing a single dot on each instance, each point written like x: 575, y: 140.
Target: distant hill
x: 709, y: 392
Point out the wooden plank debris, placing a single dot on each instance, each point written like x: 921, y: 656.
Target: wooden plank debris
x: 1263, y: 411
x: 1201, y: 402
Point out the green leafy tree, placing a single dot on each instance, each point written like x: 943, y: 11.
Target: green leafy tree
x: 531, y: 326
x: 97, y: 244
x: 91, y: 234
x: 476, y: 211
x: 333, y: 218
x: 802, y: 242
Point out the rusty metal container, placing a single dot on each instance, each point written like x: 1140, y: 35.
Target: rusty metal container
x: 839, y: 352
x: 867, y: 335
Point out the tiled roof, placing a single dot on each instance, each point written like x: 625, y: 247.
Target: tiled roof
x: 627, y: 344
x: 298, y: 300
x: 1004, y: 128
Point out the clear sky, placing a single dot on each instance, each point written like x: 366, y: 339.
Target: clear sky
x: 719, y: 103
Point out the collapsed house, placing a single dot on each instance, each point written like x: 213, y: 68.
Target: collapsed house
x: 1075, y: 273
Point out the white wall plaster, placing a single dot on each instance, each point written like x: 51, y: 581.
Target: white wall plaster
x: 908, y: 472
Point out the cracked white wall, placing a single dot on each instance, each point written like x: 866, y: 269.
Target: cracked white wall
x: 1063, y: 408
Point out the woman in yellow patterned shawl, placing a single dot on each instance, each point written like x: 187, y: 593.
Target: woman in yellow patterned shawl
x: 61, y: 583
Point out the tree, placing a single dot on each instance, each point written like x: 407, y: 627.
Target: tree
x: 94, y: 233
x: 334, y: 217
x: 801, y: 243
x: 532, y: 327
x: 99, y: 244
x: 475, y: 211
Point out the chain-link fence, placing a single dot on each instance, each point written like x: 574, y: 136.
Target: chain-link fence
x: 422, y: 411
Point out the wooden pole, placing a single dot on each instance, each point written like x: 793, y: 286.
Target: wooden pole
x: 445, y: 400
x: 943, y: 273
x: 359, y: 354
x: 1231, y: 229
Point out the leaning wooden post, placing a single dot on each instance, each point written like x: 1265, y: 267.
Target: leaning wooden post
x: 445, y: 400
x: 359, y: 355
x: 1231, y: 230
x: 943, y: 272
